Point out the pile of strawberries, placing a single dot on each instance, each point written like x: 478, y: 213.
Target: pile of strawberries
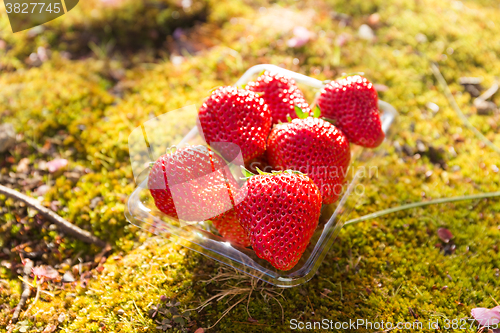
x: 271, y: 124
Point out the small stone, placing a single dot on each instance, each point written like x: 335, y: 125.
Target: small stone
x: 23, y: 165
x: 94, y: 202
x: 397, y: 147
x: 40, y: 191
x: 473, y: 90
x: 421, y: 148
x: 408, y: 150
x: 7, y: 137
x: 61, y: 318
x: 432, y: 106
x: 68, y: 277
x: 374, y: 19
x: 120, y: 312
x: 366, y: 33
x: 486, y: 108
x: 421, y: 38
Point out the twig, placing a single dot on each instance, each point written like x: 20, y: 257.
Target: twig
x: 34, y: 301
x: 65, y: 226
x: 487, y: 94
x: 28, y: 266
x: 422, y: 204
x: 454, y: 105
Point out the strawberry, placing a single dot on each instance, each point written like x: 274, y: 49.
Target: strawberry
x: 281, y: 94
x: 230, y: 228
x: 238, y: 116
x: 314, y: 147
x: 279, y: 212
x: 352, y: 103
x: 192, y: 184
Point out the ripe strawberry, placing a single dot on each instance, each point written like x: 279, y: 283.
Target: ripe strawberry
x: 352, y: 103
x: 281, y: 94
x: 280, y: 212
x: 192, y: 184
x: 314, y: 147
x: 238, y: 116
x: 230, y: 228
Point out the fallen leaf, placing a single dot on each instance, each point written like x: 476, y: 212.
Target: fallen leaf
x: 486, y: 317
x: 444, y: 234
x: 56, y: 164
x: 45, y: 271
x: 49, y: 329
x: 300, y: 37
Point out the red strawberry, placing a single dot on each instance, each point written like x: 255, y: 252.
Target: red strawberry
x: 230, y: 228
x: 280, y: 213
x: 192, y: 184
x: 238, y: 116
x: 314, y: 147
x: 352, y: 103
x: 281, y: 94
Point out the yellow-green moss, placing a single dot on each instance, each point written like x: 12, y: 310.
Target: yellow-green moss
x: 377, y: 269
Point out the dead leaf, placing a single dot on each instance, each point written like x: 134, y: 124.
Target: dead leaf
x: 49, y: 329
x: 444, y: 234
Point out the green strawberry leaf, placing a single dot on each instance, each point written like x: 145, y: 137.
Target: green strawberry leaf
x: 288, y: 118
x: 331, y: 121
x: 262, y: 172
x: 316, y: 112
x: 214, y: 89
x: 295, y: 172
x: 246, y: 172
x: 300, y: 114
x: 344, y: 75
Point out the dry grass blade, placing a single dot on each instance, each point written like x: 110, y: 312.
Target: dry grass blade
x: 256, y: 285
x: 226, y: 312
x: 456, y: 108
x: 28, y: 266
x: 34, y: 301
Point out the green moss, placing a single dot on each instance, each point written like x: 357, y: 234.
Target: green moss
x: 377, y: 269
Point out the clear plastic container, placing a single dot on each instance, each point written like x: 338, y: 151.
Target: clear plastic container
x: 149, y: 141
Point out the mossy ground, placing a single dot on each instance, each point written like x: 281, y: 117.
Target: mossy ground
x: 392, y: 268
